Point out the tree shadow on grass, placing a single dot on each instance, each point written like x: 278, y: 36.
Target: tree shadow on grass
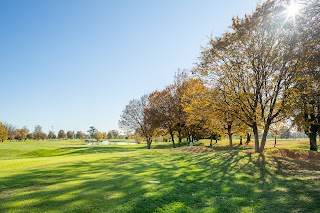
x: 221, y: 182
x: 234, y: 183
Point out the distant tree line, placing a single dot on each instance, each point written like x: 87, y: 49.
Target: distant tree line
x: 260, y: 77
x: 10, y: 132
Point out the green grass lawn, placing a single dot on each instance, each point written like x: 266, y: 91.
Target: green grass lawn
x: 68, y: 176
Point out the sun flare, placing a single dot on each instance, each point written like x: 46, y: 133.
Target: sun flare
x: 292, y: 9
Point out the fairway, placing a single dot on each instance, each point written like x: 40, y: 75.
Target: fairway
x: 66, y: 176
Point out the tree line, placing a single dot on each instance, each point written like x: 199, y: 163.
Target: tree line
x: 10, y: 132
x: 254, y: 79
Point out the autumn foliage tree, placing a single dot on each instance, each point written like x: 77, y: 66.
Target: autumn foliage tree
x: 3, y: 132
x: 97, y: 135
x: 23, y: 133
x: 254, y: 68
x: 307, y: 101
x: 261, y: 72
x: 162, y: 108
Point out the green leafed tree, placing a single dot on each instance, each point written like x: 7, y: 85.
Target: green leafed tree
x: 91, y: 131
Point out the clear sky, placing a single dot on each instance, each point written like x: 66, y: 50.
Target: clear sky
x: 72, y: 64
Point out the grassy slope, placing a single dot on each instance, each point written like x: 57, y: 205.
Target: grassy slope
x: 66, y: 177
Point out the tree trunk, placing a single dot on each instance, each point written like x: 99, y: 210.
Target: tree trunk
x: 180, y: 138
x: 248, y: 138
x: 172, y: 138
x: 148, y: 142
x: 216, y: 140
x: 313, y: 141
x: 275, y: 141
x: 240, y: 140
x: 230, y: 136
x: 211, y: 137
x: 256, y: 138
x: 264, y: 136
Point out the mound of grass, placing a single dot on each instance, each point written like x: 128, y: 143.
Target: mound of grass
x: 43, y: 153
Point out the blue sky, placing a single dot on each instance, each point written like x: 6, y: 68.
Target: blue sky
x: 77, y: 63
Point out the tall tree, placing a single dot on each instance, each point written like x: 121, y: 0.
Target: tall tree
x: 197, y: 104
x: 163, y: 110
x: 254, y: 68
x: 180, y: 84
x: 307, y: 100
x: 136, y: 118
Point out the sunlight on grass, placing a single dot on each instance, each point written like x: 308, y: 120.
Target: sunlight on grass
x: 116, y: 179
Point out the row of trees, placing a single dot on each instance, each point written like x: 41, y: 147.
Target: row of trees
x: 10, y: 132
x: 259, y: 76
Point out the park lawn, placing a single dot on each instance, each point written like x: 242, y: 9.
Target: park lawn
x: 67, y: 176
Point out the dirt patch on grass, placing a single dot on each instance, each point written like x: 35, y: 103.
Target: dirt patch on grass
x: 304, y: 155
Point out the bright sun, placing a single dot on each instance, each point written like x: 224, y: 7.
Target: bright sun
x: 292, y: 9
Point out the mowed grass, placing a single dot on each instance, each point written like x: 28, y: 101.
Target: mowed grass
x: 68, y: 176
x: 291, y: 143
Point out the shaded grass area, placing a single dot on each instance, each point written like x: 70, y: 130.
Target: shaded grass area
x: 116, y: 179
